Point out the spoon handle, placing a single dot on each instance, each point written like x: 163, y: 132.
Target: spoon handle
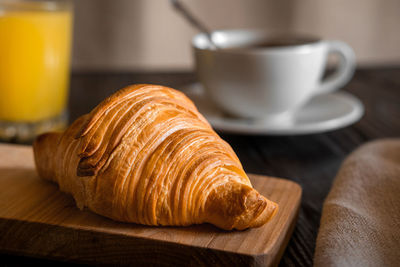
x: 192, y: 20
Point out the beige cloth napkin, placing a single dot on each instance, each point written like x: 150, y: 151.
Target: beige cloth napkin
x: 360, y: 224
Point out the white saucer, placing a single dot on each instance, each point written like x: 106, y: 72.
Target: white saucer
x: 322, y: 113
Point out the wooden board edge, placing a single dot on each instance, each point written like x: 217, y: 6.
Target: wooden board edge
x: 72, y: 247
x: 273, y: 258
x: 286, y: 238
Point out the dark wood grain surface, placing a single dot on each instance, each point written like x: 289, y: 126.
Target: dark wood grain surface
x: 310, y: 160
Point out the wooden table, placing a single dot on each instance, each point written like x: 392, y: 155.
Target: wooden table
x: 310, y: 160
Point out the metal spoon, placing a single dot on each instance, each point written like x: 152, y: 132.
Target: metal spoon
x: 193, y: 21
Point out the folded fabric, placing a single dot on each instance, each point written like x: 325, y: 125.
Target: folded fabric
x: 360, y: 224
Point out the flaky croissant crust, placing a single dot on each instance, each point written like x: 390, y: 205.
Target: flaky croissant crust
x: 146, y: 155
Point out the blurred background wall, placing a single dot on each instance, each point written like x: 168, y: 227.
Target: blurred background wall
x: 129, y: 35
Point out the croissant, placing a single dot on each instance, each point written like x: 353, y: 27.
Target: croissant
x: 146, y: 155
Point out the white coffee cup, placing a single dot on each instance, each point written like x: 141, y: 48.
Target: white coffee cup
x: 268, y: 82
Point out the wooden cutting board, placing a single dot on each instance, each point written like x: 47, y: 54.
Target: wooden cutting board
x: 38, y: 220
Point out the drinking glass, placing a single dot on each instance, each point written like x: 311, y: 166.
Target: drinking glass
x: 35, y: 44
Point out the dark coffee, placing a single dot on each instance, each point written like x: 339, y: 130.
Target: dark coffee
x: 276, y: 42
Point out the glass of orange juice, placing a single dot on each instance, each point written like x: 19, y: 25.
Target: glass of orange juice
x: 35, y: 46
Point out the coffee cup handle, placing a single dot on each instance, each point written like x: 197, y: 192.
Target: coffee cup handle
x: 344, y: 71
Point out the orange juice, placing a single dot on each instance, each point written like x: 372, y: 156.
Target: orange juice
x: 34, y: 64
